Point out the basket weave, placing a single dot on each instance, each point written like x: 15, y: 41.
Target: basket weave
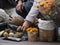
x: 46, y: 35
x: 32, y: 36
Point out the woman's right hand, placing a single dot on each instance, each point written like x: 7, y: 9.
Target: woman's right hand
x: 25, y: 25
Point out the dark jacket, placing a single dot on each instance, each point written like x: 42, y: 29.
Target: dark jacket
x: 7, y: 3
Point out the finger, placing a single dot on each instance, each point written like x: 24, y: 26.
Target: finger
x: 19, y: 28
x: 22, y: 7
x: 13, y: 17
x: 23, y: 28
x: 10, y: 19
x: 19, y: 8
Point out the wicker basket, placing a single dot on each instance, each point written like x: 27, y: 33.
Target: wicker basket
x: 46, y: 30
x: 46, y: 35
x: 32, y: 36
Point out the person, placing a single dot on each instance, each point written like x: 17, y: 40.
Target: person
x: 23, y: 8
x: 4, y: 18
x: 7, y: 5
x: 31, y: 15
x: 7, y: 12
x: 8, y: 9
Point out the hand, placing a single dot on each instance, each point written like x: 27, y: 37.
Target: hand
x: 12, y: 19
x: 25, y: 25
x: 19, y: 6
x: 17, y: 20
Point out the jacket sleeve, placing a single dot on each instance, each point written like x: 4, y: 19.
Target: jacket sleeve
x: 33, y: 12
